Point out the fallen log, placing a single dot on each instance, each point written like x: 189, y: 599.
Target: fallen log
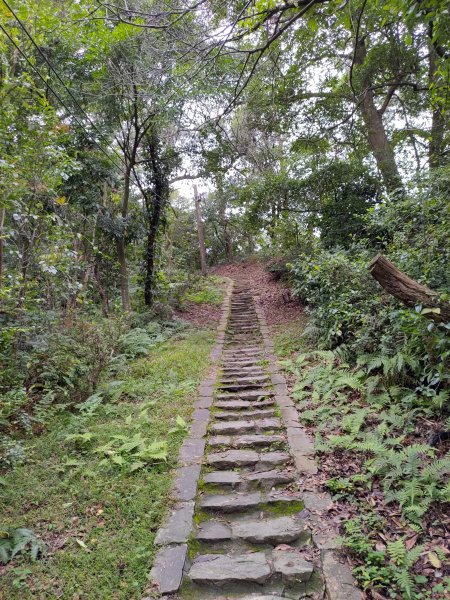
x: 407, y: 290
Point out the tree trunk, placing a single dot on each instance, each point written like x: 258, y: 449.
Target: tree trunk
x: 407, y: 290
x: 155, y: 212
x: 436, y: 148
x: 101, y: 290
x: 376, y: 133
x: 2, y: 223
x: 121, y: 246
x: 124, y: 287
x: 200, y: 232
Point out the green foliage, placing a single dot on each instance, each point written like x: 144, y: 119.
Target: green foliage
x: 345, y: 408
x: 113, y: 509
x: 18, y: 541
x: 137, y: 342
x: 205, y: 291
x: 390, y: 568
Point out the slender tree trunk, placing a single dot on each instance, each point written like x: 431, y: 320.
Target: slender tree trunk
x: 124, y: 287
x: 376, y: 133
x: 151, y: 250
x: 101, y: 290
x: 436, y: 147
x: 222, y: 203
x: 155, y: 213
x: 200, y: 232
x: 2, y: 223
x: 121, y: 246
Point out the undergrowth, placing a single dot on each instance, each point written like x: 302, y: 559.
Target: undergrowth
x: 361, y: 412
x: 94, y: 487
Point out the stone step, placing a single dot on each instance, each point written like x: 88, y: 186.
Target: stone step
x: 263, y: 479
x: 244, y: 458
x: 248, y: 363
x: 243, y: 387
x: 243, y: 372
x: 251, y: 414
x: 237, y: 404
x: 245, y: 350
x: 247, y: 394
x: 242, y: 378
x: 242, y: 426
x: 245, y: 441
x: 254, y: 567
x: 278, y: 530
x: 242, y: 501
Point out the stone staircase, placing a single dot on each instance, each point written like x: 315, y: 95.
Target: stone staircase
x: 247, y: 511
x: 239, y: 528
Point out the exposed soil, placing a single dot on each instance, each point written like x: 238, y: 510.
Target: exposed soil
x: 199, y: 315
x: 274, y: 297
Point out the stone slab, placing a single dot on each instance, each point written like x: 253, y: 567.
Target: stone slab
x: 257, y: 439
x: 290, y: 416
x: 216, y: 441
x: 292, y: 566
x: 227, y: 503
x: 178, y: 526
x: 319, y: 503
x: 338, y: 577
x: 234, y: 404
x: 304, y: 464
x: 198, y: 429
x: 233, y: 458
x: 275, y: 531
x: 222, y: 477
x: 185, y: 485
x: 200, y: 414
x: 299, y: 441
x: 268, y: 460
x: 191, y: 452
x: 213, y: 531
x: 268, y: 479
x: 204, y: 402
x: 221, y: 568
x: 167, y: 571
x: 233, y: 427
x: 251, y: 414
x: 273, y: 423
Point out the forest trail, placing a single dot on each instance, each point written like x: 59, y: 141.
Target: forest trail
x: 248, y: 532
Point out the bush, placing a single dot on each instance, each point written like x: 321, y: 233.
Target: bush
x: 354, y: 316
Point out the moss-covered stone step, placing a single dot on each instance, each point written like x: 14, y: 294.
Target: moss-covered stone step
x: 264, y: 413
x: 246, y: 441
x: 263, y: 479
x: 254, y: 567
x: 274, y: 531
x: 240, y: 501
x: 245, y: 425
x: 241, y: 458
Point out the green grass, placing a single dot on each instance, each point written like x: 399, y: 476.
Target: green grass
x: 207, y: 290
x: 289, y: 337
x: 114, y: 513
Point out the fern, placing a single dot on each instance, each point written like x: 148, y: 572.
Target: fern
x: 437, y: 469
x: 16, y: 541
x: 405, y: 581
x: 137, y: 342
x: 397, y: 551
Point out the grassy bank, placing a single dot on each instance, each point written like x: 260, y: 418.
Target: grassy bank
x: 95, y: 499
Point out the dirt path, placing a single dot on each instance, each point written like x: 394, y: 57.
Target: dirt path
x: 239, y: 527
